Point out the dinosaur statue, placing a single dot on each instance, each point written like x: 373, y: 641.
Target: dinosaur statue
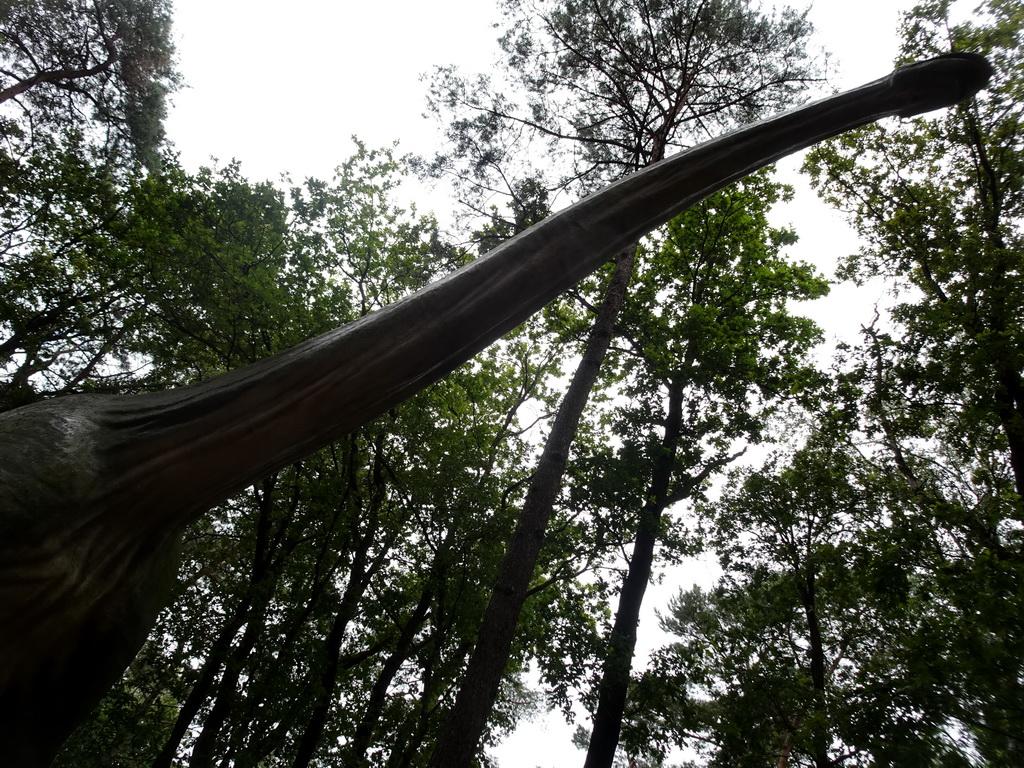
x: 95, y: 489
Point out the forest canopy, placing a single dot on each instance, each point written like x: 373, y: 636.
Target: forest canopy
x: 413, y: 593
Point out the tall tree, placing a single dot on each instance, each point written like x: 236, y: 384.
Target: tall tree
x: 710, y: 350
x: 799, y: 655
x: 869, y: 613
x: 938, y: 201
x: 104, y: 68
x: 84, y: 86
x: 611, y: 86
x: 355, y: 575
x: 69, y: 299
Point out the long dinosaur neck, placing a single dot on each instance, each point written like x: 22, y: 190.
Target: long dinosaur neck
x: 184, y: 450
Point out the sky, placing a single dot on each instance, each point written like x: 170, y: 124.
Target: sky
x: 282, y: 87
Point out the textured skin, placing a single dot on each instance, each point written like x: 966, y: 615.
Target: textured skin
x: 94, y: 490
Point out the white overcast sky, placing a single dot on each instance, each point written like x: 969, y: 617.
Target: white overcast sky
x: 282, y: 86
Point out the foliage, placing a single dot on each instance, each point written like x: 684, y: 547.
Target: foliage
x: 83, y: 86
x: 799, y: 655
x: 587, y: 91
x: 356, y: 575
x: 709, y: 350
x: 600, y: 89
x: 69, y: 297
x: 103, y: 69
x: 939, y: 201
x: 869, y: 614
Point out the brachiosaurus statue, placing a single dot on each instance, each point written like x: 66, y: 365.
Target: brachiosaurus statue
x: 95, y: 489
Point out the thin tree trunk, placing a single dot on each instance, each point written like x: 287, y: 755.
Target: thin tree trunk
x: 205, y: 749
x: 190, y: 708
x: 457, y: 745
x: 362, y: 571
x: 439, y: 670
x: 816, y: 662
x: 1009, y: 407
x: 267, y: 735
x: 375, y: 707
x: 313, y: 732
x: 612, y: 690
x: 221, y: 650
x: 227, y: 691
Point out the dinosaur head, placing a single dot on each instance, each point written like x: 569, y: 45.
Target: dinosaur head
x: 940, y: 82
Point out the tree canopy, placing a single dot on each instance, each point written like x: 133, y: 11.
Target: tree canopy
x: 865, y: 509
x: 104, y: 69
x: 869, y: 613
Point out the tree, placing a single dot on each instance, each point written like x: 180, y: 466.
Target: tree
x: 622, y: 82
x: 710, y: 351
x: 611, y: 86
x: 799, y: 655
x: 938, y: 202
x: 84, y: 85
x: 868, y: 613
x: 355, y: 575
x: 103, y: 68
x: 69, y: 301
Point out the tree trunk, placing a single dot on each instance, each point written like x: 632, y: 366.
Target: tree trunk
x: 375, y: 707
x: 205, y: 749
x: 313, y: 732
x: 361, y: 572
x: 816, y: 662
x: 614, y: 685
x: 457, y: 745
x: 227, y: 691
x: 221, y: 651
x: 190, y: 708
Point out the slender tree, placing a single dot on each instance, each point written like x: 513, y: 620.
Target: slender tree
x: 355, y: 575
x: 711, y: 350
x: 789, y: 660
x: 612, y: 86
x: 867, y: 615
